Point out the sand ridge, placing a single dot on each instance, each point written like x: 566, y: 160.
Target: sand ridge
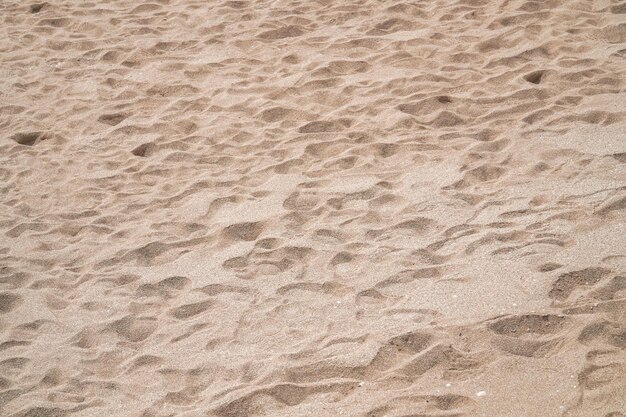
x: 312, y: 208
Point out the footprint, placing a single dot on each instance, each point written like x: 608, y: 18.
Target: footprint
x: 28, y: 138
x: 86, y: 339
x: 411, y: 342
x: 348, y: 67
x: 342, y: 163
x: 56, y: 23
x: 447, y: 119
x: 535, y: 77
x: 247, y: 232
x: 143, y: 8
x: 37, y: 7
x: 483, y: 173
x: 13, y: 364
x: 610, y: 290
x: 605, y: 332
x: 184, y: 397
x: 190, y: 310
x: 297, y: 201
x: 563, y: 287
x: 391, y: 26
x: 13, y: 343
x: 531, y: 324
x: 281, y: 395
x: 426, y: 106
x: 216, y: 289
x: 9, y: 302
x: 322, y: 126
x: 418, y: 225
x: 408, y: 276
x: 237, y: 4
x: 325, y: 288
x: 619, y: 9
x: 163, y: 288
x: 455, y: 363
x: 238, y: 262
x: 529, y: 335
x: 342, y: 258
x: 596, y: 376
x: 144, y: 150
x: 25, y: 227
x: 549, y: 266
x: 134, y: 329
x: 43, y: 412
x: 145, y: 361
x: 153, y: 253
x: 426, y: 405
x: 290, y: 31
x: 275, y: 114
x: 112, y: 119
x: 106, y: 364
x: 618, y: 205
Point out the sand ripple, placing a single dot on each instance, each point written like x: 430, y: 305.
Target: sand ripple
x: 287, y: 208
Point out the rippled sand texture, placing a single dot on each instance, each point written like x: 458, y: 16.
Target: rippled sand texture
x: 313, y: 208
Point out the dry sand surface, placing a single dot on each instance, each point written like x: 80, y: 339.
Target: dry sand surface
x: 313, y: 208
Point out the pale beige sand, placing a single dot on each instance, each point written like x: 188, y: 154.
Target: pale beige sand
x: 313, y: 208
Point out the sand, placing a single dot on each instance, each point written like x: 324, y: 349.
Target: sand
x: 313, y: 208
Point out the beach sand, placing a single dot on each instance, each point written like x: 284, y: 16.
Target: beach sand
x: 312, y: 208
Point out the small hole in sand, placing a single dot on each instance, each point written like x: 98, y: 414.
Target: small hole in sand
x: 534, y: 77
x: 36, y: 8
x: 112, y: 119
x: 143, y: 150
x: 27, y: 138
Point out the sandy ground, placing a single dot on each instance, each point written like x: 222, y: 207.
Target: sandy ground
x: 313, y: 208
